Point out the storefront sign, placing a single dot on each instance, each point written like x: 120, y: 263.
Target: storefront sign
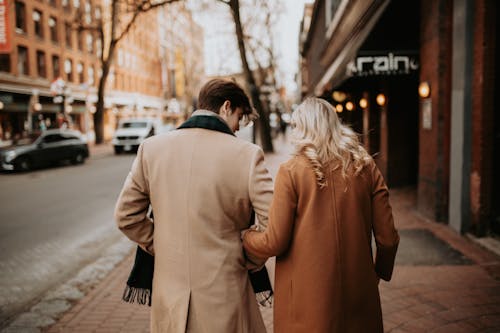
x: 387, y: 64
x: 5, y: 38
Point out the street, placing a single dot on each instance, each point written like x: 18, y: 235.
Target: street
x: 52, y: 222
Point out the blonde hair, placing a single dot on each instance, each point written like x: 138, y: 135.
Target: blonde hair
x: 319, y: 135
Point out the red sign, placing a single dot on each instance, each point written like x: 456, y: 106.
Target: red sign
x: 5, y: 37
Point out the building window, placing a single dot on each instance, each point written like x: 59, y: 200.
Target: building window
x: 68, y: 69
x: 88, y: 13
x: 41, y: 66
x: 98, y: 46
x: 97, y: 13
x: 79, y: 70
x: 38, y: 23
x: 4, y: 62
x: 65, y: 4
x: 53, y: 29
x: 76, y: 3
x: 69, y: 33
x: 22, y: 61
x: 90, y: 43
x: 53, y: 3
x: 56, y: 67
x: 90, y: 75
x: 80, y: 35
x: 20, y: 17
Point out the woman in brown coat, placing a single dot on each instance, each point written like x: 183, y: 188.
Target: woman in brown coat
x: 329, y: 199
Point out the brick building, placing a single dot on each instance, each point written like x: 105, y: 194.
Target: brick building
x: 40, y: 46
x: 418, y: 80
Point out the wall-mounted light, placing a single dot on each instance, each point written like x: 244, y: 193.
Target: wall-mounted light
x: 424, y: 89
x: 1, y: 105
x: 37, y: 106
x: 339, y: 96
x: 380, y: 99
x: 349, y: 106
x: 69, y: 108
x: 339, y: 108
x: 363, y: 103
x: 92, y: 109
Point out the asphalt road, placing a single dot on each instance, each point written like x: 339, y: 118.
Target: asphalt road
x: 52, y: 222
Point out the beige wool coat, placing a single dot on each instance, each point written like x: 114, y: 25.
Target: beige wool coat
x: 202, y: 186
x: 326, y: 279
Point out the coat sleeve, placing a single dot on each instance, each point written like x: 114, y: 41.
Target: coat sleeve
x: 260, y: 192
x: 386, y: 235
x: 133, y: 204
x: 276, y: 239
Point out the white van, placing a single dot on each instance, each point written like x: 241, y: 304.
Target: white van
x: 130, y: 134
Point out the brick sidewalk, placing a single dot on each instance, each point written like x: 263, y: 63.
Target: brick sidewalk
x: 462, y: 297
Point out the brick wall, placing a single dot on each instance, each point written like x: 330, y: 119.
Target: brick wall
x: 482, y: 114
x: 434, y: 143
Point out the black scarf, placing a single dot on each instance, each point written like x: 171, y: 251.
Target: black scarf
x: 140, y: 281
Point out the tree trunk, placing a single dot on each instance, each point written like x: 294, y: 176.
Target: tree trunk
x: 264, y: 129
x: 99, y: 114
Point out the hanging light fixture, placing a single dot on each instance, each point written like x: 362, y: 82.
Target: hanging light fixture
x: 339, y: 108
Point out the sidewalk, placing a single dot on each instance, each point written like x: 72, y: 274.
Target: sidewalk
x: 442, y: 282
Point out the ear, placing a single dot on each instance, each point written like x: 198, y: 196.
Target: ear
x: 226, y: 107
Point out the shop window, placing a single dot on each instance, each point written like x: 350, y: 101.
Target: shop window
x: 69, y: 33
x: 56, y: 67
x: 22, y: 61
x: 79, y: 70
x: 68, y: 69
x: 4, y: 62
x: 38, y: 23
x: 53, y: 29
x: 20, y: 17
x: 41, y: 65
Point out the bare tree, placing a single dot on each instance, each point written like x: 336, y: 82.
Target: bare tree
x: 122, y: 16
x: 255, y: 93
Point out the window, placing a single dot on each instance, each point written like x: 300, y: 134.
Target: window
x: 56, y: 67
x: 88, y: 13
x: 4, y: 62
x: 69, y: 33
x: 22, y: 60
x: 90, y: 43
x: 90, y: 75
x: 79, y: 70
x: 53, y: 29
x: 20, y: 17
x: 53, y: 3
x: 98, y: 46
x: 38, y: 23
x: 80, y: 40
x: 65, y: 4
x: 76, y: 3
x: 68, y: 69
x: 41, y: 66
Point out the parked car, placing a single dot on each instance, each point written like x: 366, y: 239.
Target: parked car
x: 45, y: 148
x: 130, y: 134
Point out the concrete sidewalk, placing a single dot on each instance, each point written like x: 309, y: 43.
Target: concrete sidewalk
x: 442, y: 282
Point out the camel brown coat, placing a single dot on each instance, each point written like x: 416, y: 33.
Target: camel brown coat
x: 202, y: 185
x: 326, y: 280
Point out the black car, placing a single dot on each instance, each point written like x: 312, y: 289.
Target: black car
x: 45, y: 148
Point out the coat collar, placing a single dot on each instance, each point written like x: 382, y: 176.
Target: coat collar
x: 207, y: 120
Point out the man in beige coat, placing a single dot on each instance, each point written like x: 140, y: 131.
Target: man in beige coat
x: 203, y: 184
